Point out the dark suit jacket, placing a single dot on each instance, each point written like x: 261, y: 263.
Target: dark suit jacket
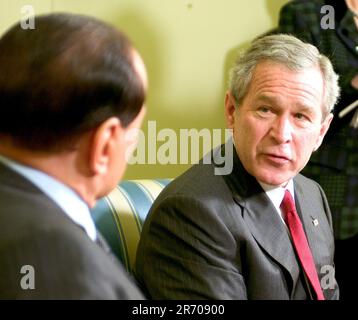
x: 213, y: 236
x: 67, y: 264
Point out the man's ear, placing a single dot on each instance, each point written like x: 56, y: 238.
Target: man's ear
x: 103, y: 144
x: 230, y: 108
x: 324, y: 128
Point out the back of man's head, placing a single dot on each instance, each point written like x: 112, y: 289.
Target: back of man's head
x: 63, y: 78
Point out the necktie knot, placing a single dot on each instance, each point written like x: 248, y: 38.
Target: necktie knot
x: 288, y: 204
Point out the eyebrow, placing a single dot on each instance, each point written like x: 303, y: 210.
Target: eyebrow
x: 274, y: 100
x: 265, y: 98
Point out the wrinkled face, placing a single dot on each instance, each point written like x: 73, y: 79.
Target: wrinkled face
x: 279, y: 122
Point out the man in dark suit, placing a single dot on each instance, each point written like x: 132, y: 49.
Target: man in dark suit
x: 335, y: 165
x: 71, y: 91
x: 240, y: 234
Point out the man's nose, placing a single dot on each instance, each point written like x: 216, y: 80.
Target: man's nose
x: 282, y: 129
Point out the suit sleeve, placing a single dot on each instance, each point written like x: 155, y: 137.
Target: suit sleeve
x: 66, y: 265
x: 333, y: 294
x: 187, y: 252
x: 326, y: 207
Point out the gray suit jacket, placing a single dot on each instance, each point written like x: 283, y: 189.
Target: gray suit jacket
x: 35, y: 232
x: 219, y: 237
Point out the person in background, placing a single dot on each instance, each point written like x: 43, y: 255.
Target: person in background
x: 335, y: 165
x: 70, y: 91
x: 261, y: 231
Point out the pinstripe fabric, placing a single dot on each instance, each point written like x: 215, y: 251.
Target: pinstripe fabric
x: 120, y: 215
x: 211, y: 236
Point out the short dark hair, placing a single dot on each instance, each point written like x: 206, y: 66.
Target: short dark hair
x: 65, y: 77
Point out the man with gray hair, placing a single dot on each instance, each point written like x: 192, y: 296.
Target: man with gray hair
x: 263, y: 231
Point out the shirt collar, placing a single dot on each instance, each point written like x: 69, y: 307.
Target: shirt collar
x: 276, y: 193
x: 66, y: 198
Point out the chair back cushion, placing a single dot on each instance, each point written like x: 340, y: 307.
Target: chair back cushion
x: 120, y: 215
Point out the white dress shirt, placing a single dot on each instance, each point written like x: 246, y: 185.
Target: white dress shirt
x: 66, y: 198
x: 276, y: 195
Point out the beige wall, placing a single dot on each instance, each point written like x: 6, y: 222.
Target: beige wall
x: 187, y: 45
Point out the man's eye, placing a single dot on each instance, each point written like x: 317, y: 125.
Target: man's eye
x: 264, y: 111
x: 301, y: 116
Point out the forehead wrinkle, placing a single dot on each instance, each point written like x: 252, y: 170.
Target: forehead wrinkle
x: 308, y: 82
x: 278, y: 101
x: 295, y: 88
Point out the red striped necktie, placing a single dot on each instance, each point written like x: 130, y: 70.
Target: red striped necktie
x: 300, y: 242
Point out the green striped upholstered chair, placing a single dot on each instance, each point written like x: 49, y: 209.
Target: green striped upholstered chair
x: 120, y: 215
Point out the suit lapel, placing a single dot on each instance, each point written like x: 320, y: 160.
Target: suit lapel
x: 262, y: 219
x: 313, y: 221
x: 269, y: 231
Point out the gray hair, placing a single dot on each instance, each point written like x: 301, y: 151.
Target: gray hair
x: 290, y: 52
